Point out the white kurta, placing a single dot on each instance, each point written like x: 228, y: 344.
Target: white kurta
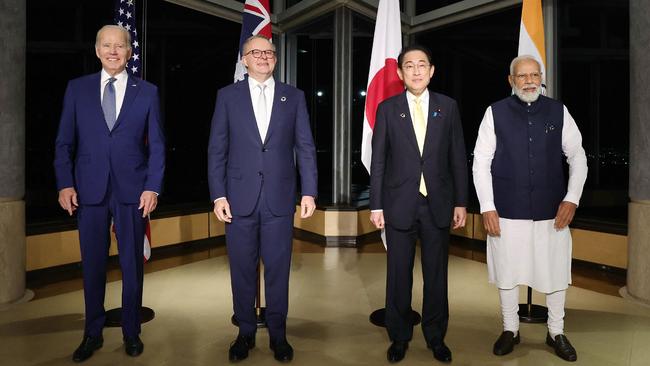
x: 528, y: 252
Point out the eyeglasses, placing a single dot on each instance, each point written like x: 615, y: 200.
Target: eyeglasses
x: 532, y: 75
x: 258, y: 53
x: 411, y: 67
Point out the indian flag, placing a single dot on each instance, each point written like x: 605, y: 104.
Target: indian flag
x: 531, y: 33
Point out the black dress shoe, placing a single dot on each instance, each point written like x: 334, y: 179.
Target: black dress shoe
x: 282, y: 350
x: 87, y: 347
x: 562, y: 346
x: 133, y: 346
x: 506, y: 343
x: 441, y: 352
x: 397, y: 351
x: 239, y: 348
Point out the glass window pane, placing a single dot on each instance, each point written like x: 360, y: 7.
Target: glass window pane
x: 314, y: 71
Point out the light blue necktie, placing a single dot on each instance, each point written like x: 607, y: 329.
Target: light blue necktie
x: 108, y: 103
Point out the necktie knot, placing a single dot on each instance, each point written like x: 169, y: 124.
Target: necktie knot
x: 111, y: 80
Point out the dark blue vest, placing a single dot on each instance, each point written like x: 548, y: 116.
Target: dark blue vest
x: 527, y: 173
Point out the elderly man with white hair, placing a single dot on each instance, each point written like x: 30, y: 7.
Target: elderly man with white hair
x: 527, y: 202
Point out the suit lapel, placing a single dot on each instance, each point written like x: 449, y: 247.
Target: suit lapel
x: 94, y: 89
x: 249, y: 114
x: 132, y: 89
x: 278, y: 95
x: 434, y: 119
x: 405, y: 123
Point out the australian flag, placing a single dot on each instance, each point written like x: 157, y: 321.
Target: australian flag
x: 125, y: 17
x: 255, y: 20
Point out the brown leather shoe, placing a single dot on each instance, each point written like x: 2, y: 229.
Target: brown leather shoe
x: 562, y: 347
x: 505, y: 343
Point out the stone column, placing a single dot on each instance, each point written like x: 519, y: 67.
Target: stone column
x: 12, y: 150
x: 341, y: 187
x: 638, y: 270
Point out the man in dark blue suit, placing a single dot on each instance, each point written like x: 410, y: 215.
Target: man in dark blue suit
x: 109, y: 164
x: 418, y: 188
x: 260, y: 131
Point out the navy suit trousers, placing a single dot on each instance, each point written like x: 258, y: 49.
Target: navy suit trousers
x: 94, y: 237
x: 248, y: 238
x: 399, y: 282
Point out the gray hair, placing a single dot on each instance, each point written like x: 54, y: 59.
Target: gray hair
x: 127, y: 35
x: 249, y: 39
x: 521, y: 58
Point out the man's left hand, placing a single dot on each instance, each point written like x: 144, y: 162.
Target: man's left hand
x: 565, y: 214
x: 148, y: 202
x: 460, y: 216
x: 307, y: 206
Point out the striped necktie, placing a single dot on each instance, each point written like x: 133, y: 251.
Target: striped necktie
x: 108, y: 104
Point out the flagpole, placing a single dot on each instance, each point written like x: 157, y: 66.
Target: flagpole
x: 144, y: 39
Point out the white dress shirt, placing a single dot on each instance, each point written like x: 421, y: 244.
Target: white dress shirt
x: 120, y: 88
x: 255, y: 95
x: 424, y: 105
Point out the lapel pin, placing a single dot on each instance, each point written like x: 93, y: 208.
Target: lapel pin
x: 437, y: 113
x: 283, y: 99
x: 402, y: 115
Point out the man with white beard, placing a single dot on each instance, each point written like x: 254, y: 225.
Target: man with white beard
x: 526, y: 201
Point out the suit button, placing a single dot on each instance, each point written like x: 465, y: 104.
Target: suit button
x: 265, y: 150
x: 532, y: 172
x: 530, y: 123
x: 530, y: 139
x: 260, y: 174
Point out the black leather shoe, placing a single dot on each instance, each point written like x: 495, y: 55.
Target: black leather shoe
x: 133, y: 346
x: 441, y: 352
x: 282, y: 350
x: 397, y: 351
x: 562, y: 346
x: 506, y: 343
x: 87, y: 347
x: 239, y: 348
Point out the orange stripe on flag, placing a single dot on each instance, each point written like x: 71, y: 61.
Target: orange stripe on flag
x: 531, y: 17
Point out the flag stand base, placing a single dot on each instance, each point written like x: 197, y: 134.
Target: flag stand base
x: 378, y: 317
x: 114, y: 316
x: 532, y: 313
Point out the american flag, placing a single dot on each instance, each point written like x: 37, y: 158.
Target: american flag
x: 255, y: 20
x: 125, y: 17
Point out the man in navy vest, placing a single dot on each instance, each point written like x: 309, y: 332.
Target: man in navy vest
x: 526, y: 201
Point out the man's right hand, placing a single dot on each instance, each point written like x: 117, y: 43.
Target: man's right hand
x: 377, y: 218
x: 68, y: 200
x: 491, y: 223
x: 222, y: 210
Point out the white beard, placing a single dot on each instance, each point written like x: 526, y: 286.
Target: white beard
x: 527, y: 97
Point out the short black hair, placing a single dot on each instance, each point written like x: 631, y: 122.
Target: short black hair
x: 413, y: 47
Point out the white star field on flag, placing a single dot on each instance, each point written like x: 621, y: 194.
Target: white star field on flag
x: 125, y: 17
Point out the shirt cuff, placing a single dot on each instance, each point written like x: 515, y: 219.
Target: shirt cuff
x: 380, y: 210
x: 488, y: 206
x: 219, y: 199
x: 573, y: 198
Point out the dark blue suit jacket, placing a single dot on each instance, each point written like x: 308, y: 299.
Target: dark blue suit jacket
x: 86, y: 152
x: 397, y: 165
x: 238, y: 161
